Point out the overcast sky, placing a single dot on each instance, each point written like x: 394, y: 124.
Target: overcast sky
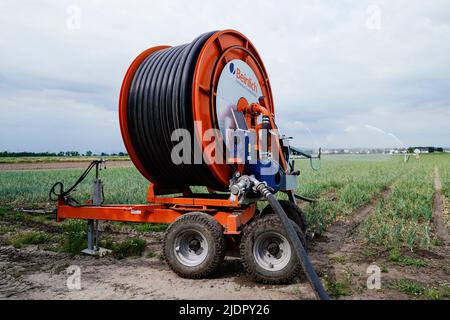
x: 343, y: 73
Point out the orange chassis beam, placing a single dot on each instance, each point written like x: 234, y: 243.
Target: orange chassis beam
x: 231, y: 218
x: 228, y: 212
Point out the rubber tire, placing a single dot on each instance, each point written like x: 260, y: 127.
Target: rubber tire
x: 213, y: 233
x: 267, y: 223
x: 292, y: 211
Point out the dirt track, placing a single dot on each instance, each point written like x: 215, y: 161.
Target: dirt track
x: 58, y: 165
x: 32, y: 273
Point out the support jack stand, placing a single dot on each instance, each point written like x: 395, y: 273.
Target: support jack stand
x: 93, y: 249
x: 92, y: 236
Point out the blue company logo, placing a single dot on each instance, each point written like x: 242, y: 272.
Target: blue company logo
x: 232, y: 70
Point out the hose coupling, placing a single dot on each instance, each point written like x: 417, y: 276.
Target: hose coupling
x: 241, y: 187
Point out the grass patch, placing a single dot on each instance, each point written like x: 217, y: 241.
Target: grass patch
x: 149, y: 227
x: 384, y: 269
x: 6, y: 229
x: 11, y: 215
x: 337, y: 288
x: 409, y: 287
x: 30, y: 237
x: 128, y: 248
x: 337, y: 259
x: 107, y: 243
x: 75, y: 240
x: 446, y: 270
x: 445, y: 290
x: 397, y: 257
x: 419, y: 290
x: 75, y: 236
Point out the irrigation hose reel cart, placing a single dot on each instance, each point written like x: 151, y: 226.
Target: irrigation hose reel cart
x: 215, y: 94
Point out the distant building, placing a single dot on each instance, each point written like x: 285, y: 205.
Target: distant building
x: 423, y: 149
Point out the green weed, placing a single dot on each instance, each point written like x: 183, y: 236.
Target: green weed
x: 337, y: 288
x: 128, y: 248
x: 149, y: 227
x: 6, y: 229
x: 396, y: 256
x: 30, y: 237
x: 419, y: 290
x: 75, y: 236
x: 409, y: 287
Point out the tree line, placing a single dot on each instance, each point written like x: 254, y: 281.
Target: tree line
x: 88, y: 153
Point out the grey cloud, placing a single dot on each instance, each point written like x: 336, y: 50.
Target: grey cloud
x: 327, y: 69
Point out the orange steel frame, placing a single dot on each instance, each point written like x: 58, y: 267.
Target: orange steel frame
x: 228, y: 212
x: 166, y: 210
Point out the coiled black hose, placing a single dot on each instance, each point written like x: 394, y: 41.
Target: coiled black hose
x: 160, y: 101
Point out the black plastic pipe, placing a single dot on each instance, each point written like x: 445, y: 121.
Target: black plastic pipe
x: 311, y: 274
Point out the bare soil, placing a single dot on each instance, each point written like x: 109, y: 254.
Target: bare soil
x: 35, y: 273
x: 58, y: 165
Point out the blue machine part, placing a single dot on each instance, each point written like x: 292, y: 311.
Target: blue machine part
x: 263, y: 169
x: 267, y: 171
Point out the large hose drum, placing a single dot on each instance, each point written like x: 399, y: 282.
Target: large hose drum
x: 181, y: 87
x: 215, y: 83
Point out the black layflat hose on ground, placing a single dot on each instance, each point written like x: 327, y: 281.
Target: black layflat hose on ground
x: 311, y: 274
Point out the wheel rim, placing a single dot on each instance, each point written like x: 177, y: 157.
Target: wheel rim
x: 191, y: 248
x: 272, y: 251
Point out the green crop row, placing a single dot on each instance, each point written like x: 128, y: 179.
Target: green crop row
x: 352, y: 184
x: 125, y: 185
x: 30, y: 188
x: 405, y: 218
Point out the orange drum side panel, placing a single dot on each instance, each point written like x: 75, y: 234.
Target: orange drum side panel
x: 123, y: 104
x: 222, y: 47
